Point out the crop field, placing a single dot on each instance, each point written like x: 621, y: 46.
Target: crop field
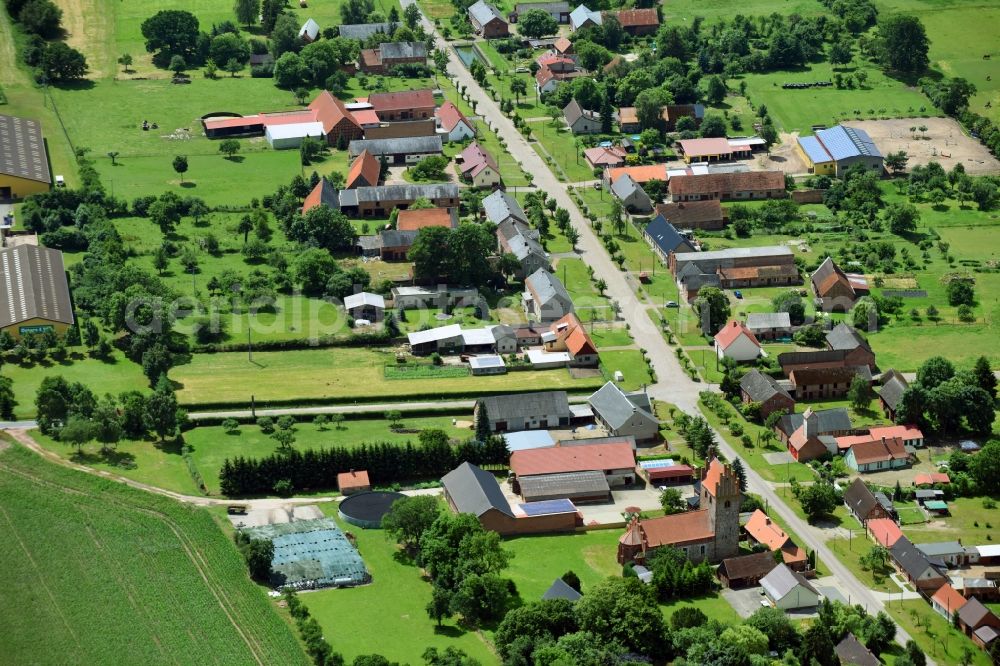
x: 99, y: 573
x: 424, y: 371
x: 338, y: 374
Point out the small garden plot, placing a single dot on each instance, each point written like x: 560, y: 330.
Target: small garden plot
x: 910, y: 515
x: 423, y: 371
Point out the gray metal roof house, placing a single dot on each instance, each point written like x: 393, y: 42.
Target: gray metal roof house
x: 470, y: 489
x: 561, y: 590
x: 399, y: 150
x: 665, y: 238
x: 525, y: 411
x: 362, y: 31
x: 34, y: 291
x: 500, y: 206
x: 634, y: 199
x: 545, y: 297
x: 580, y: 120
x: 624, y: 414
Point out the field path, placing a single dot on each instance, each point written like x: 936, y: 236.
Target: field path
x: 90, y: 28
x: 9, y: 72
x: 22, y: 436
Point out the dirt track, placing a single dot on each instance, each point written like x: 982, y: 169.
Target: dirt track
x: 946, y: 143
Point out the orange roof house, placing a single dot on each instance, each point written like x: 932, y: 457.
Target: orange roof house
x: 563, y: 45
x: 764, y: 531
x: 571, y: 336
x: 947, y: 600
x: 931, y: 479
x: 736, y: 341
x: 364, y: 172
x: 640, y: 174
x: 323, y: 194
x: 581, y: 458
x: 884, y: 530
x: 454, y: 123
x: 338, y: 123
x: 420, y: 218
x: 353, y: 482
x: 638, y: 21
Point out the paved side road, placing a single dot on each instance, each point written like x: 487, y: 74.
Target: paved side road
x: 673, y: 384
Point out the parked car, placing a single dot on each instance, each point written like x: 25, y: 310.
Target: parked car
x: 738, y: 294
x: 672, y: 304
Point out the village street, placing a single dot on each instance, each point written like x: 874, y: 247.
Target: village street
x: 673, y: 384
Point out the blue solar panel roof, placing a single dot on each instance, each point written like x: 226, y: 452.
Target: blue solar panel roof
x: 845, y: 142
x: 814, y: 149
x: 656, y: 464
x: 548, y: 506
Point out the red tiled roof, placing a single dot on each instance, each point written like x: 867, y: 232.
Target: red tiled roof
x: 705, y: 147
x: 583, y: 458
x: 678, y: 529
x: 634, y: 18
x: 288, y: 117
x: 875, y: 450
x: 903, y: 432
x: 225, y: 122
x: 402, y: 101
x: 364, y: 168
x: 686, y: 213
x: 712, y: 477
x: 766, y: 531
x: 884, y: 531
x: 578, y: 342
x: 931, y: 479
x: 640, y: 174
x: 563, y: 45
x: 599, y: 156
x: 710, y: 183
x: 348, y: 480
x: 627, y: 115
x: 365, y: 117
x: 421, y: 218
x: 731, y: 331
x: 547, y: 59
x: 449, y: 115
x: 371, y: 57
x: 330, y: 111
x: 475, y: 159
x: 948, y: 598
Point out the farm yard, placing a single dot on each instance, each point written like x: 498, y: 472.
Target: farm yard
x: 943, y: 141
x: 79, y: 586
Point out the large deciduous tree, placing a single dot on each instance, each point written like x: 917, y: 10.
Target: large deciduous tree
x: 171, y: 32
x: 903, y: 44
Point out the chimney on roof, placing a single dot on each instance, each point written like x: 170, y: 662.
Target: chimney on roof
x: 767, y: 520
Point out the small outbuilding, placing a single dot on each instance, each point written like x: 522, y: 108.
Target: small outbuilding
x: 488, y: 364
x: 353, y: 482
x: 788, y: 589
x: 365, y: 305
x: 560, y: 589
x: 745, y: 570
x: 851, y: 652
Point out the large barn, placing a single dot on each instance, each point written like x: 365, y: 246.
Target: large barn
x: 24, y: 160
x: 34, y: 291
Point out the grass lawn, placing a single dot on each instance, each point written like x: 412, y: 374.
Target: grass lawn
x: 870, y: 417
x: 798, y: 110
x: 969, y: 521
x: 538, y: 560
x: 115, y: 375
x: 574, y: 275
x: 631, y: 364
x: 934, y: 634
x: 849, y: 552
x: 158, y: 464
x: 211, y: 445
x: 437, y: 9
x: 109, y: 574
x: 754, y: 456
x: 388, y: 616
x: 564, y: 148
x: 610, y: 336
x: 714, y: 606
x: 338, y: 374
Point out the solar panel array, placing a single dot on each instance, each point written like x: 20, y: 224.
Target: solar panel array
x: 547, y: 507
x: 656, y: 464
x: 22, y: 150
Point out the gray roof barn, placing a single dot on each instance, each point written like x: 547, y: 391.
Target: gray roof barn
x: 761, y: 387
x: 893, y: 388
x: 762, y: 321
x: 665, y: 236
x: 631, y: 194
x: 396, y: 50
x: 475, y: 491
x: 851, y: 652
x: 941, y: 549
x: 501, y: 206
x: 573, y: 112
x: 912, y: 560
x: 407, y: 192
x: 363, y: 31
x: 409, y: 145
x: 33, y: 285
x: 508, y: 407
x: 616, y: 407
x: 484, y: 12
x: 22, y: 149
x: 572, y: 485
x: 828, y: 420
x: 561, y: 590
x: 397, y: 238
x: 845, y: 337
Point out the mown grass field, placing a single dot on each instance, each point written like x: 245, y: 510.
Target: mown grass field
x: 161, y: 464
x: 935, y: 636
x: 387, y: 617
x: 99, y: 573
x: 114, y: 376
x: 338, y: 374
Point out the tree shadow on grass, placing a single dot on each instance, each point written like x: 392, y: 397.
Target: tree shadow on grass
x: 171, y: 446
x: 238, y: 159
x: 187, y: 185
x: 449, y: 631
